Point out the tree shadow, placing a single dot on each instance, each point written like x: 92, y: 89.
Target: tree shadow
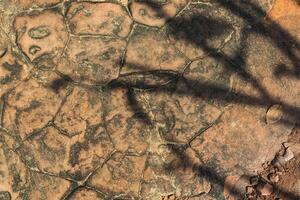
x: 198, y: 30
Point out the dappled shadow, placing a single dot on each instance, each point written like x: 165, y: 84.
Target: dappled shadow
x: 199, y: 30
x: 216, y: 179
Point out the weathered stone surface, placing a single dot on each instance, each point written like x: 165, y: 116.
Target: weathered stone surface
x: 263, y: 83
x: 92, y: 60
x: 121, y: 175
x: 210, y: 79
x: 14, y: 175
x: 149, y: 49
x: 43, y: 186
x: 235, y: 187
x: 81, y: 110
x: 82, y: 194
x: 171, y: 171
x: 178, y: 113
x: 36, y: 3
x: 286, y: 14
x: 163, y: 104
x: 74, y: 157
x: 32, y: 105
x: 42, y: 36
x: 12, y: 70
x: 155, y: 13
x: 246, y: 143
x: 201, y: 29
x: 124, y: 124
x: 85, y: 18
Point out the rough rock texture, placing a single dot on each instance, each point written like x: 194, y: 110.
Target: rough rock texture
x: 149, y: 100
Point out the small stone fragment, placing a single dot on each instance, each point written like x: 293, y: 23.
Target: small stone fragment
x: 288, y: 155
x: 274, y: 114
x: 265, y: 189
x: 250, y: 190
x: 273, y: 177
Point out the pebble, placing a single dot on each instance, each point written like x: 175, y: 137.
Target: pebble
x: 274, y: 114
x: 250, y: 190
x: 265, y: 189
x: 273, y: 177
x: 288, y: 155
x: 280, y: 160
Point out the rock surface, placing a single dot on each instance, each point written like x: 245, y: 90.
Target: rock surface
x: 149, y: 100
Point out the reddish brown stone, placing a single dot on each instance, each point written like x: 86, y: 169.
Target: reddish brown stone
x: 240, y: 139
x: 235, y: 187
x: 83, y: 108
x: 173, y: 172
x: 179, y: 115
x: 82, y: 194
x: 14, y: 176
x: 210, y: 79
x: 92, y: 60
x: 120, y: 175
x: 58, y: 154
x: 37, y: 3
x: 32, y: 105
x: 149, y: 49
x: 286, y: 14
x: 42, y: 36
x: 12, y: 70
x: 85, y: 18
x: 155, y: 13
x: 123, y: 125
x: 201, y: 29
x: 45, y: 186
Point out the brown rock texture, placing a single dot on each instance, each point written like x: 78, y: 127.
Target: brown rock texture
x: 85, y: 18
x: 149, y: 99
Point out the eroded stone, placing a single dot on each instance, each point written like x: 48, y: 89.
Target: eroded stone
x: 149, y: 49
x: 85, y: 18
x: 32, y: 105
x: 124, y: 123
x: 201, y: 29
x: 120, y: 175
x: 74, y: 157
x: 81, y: 194
x: 43, y: 186
x: 14, y: 175
x: 286, y: 14
x: 44, y: 30
x: 82, y: 109
x: 173, y: 171
x: 12, y: 71
x: 37, y: 3
x: 210, y: 78
x: 178, y: 113
x: 93, y: 60
x: 155, y: 12
x: 240, y: 139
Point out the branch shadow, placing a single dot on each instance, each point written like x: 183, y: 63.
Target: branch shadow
x: 197, y: 30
